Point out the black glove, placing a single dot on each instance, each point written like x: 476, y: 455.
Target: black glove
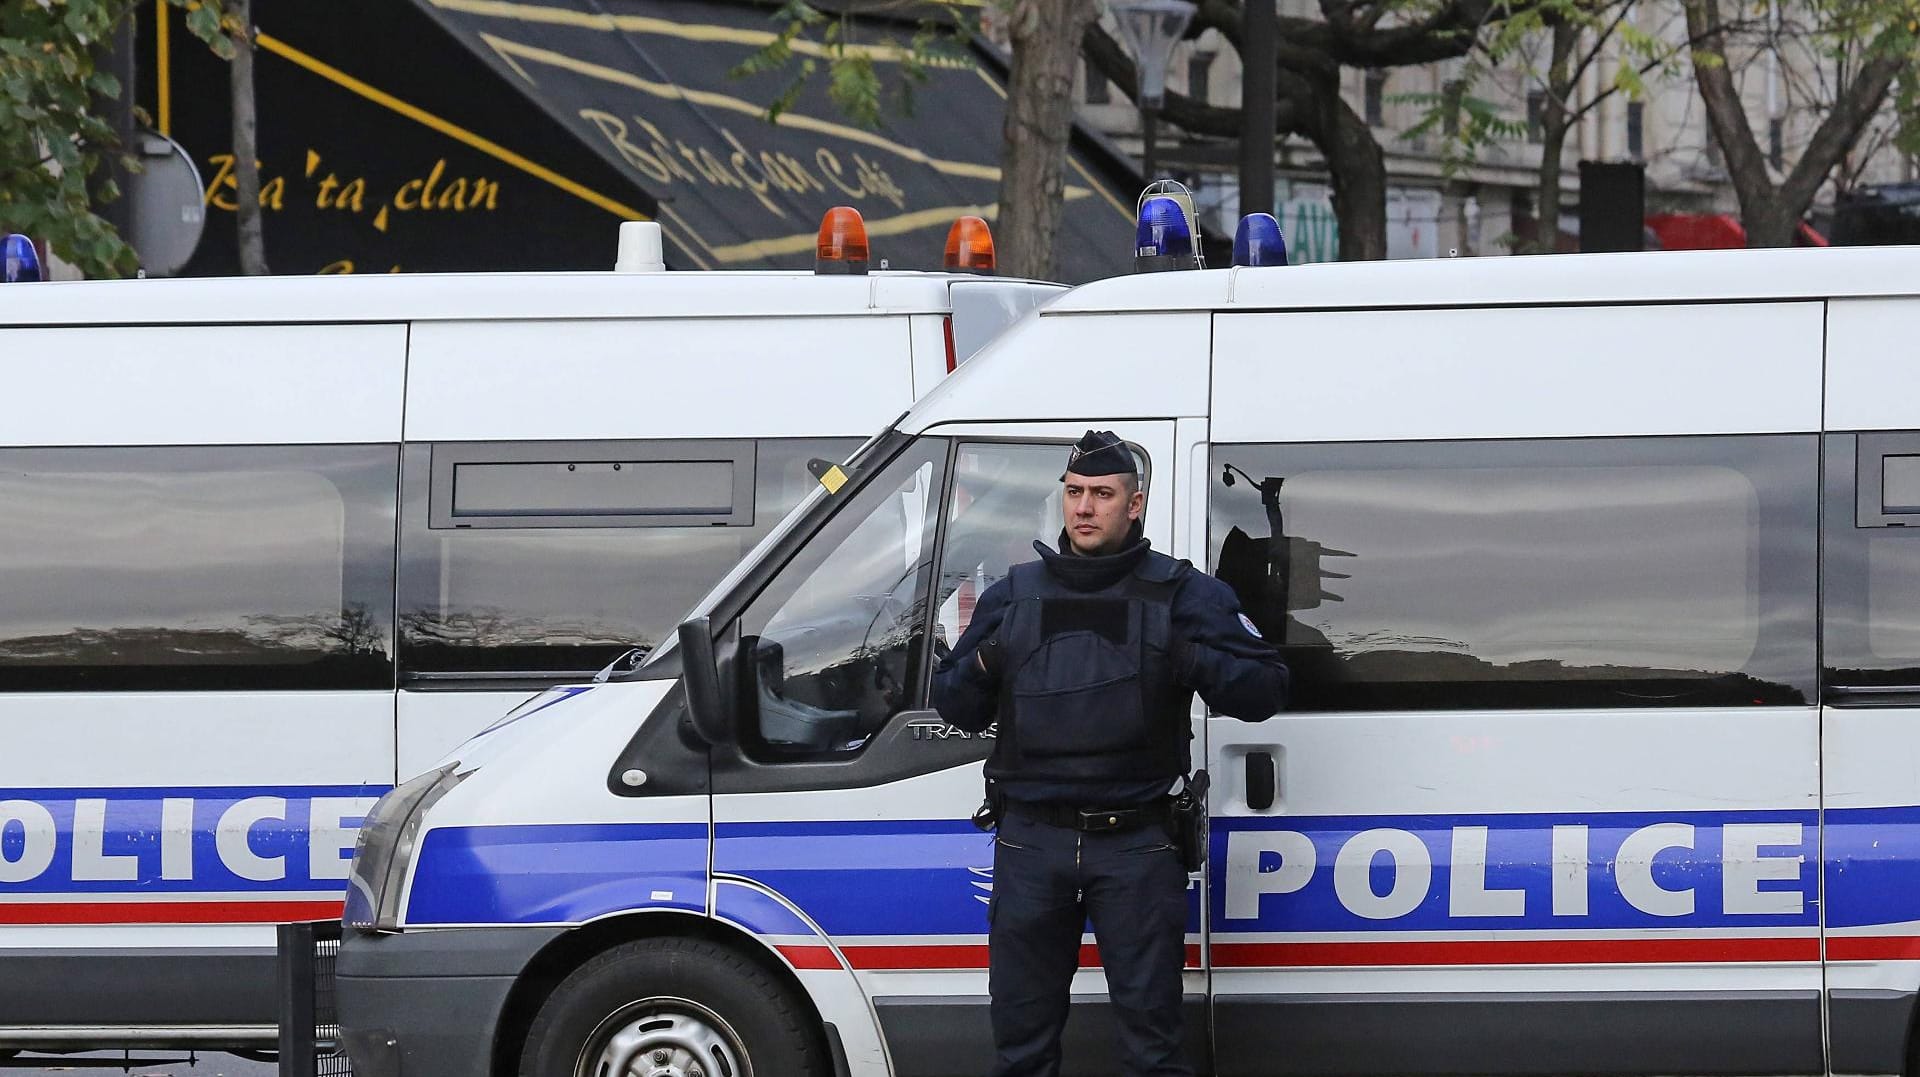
x: 992, y: 658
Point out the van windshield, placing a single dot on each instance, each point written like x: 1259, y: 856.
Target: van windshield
x: 804, y: 517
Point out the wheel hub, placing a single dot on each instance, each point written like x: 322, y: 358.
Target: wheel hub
x: 668, y: 1038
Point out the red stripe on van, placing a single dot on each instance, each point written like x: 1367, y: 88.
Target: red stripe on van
x: 956, y: 956
x: 167, y: 912
x: 1873, y: 948
x: 1513, y: 952
x: 809, y: 957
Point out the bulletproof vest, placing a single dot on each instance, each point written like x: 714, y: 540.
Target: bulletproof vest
x: 1087, y: 691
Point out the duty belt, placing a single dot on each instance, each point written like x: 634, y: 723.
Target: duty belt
x: 1074, y: 817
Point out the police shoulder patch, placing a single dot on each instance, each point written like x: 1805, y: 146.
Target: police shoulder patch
x: 1247, y: 623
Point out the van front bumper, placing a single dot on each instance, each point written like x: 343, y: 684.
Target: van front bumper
x: 428, y: 1003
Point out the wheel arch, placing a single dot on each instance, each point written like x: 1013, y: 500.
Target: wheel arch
x: 568, y: 952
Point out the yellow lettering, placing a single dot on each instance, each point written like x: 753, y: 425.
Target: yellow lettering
x: 328, y: 185
x: 344, y: 265
x: 830, y: 166
x: 433, y: 176
x: 403, y: 199
x: 876, y: 181
x: 353, y: 196
x: 716, y: 171
x: 313, y: 162
x: 273, y: 193
x: 665, y: 151
x: 795, y: 172
x: 223, y: 182
x: 454, y: 197
x: 614, y: 130
x: 485, y: 191
x: 756, y: 181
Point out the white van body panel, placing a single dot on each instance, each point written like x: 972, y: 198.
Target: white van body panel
x: 1868, y: 354
x: 1535, y: 372
x: 1138, y: 366
x: 203, y: 385
x: 690, y: 378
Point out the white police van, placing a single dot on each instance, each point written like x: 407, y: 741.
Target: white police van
x: 273, y: 545
x: 1600, y: 583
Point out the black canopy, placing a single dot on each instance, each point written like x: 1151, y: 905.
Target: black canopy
x: 498, y: 134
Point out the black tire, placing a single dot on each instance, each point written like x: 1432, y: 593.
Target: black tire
x: 686, y: 997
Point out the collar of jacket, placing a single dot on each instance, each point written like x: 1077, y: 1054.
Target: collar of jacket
x: 1083, y: 573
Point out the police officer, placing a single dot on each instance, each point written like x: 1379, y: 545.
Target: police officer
x: 1088, y: 659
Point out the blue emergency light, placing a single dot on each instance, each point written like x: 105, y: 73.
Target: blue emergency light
x: 18, y: 260
x: 1258, y: 241
x: 1162, y: 239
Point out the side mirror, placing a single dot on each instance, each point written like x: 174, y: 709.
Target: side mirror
x: 700, y: 678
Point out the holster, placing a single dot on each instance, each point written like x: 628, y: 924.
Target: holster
x: 1190, y: 821
x: 992, y: 808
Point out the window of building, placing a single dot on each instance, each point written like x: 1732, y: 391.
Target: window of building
x: 1199, y: 72
x: 1528, y: 574
x: 1098, y: 92
x: 1776, y: 142
x: 197, y: 568
x: 1536, y: 116
x: 553, y: 572
x: 1636, y: 130
x: 1374, y: 97
x: 1872, y: 566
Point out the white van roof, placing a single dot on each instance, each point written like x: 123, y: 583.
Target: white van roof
x: 1651, y: 277
x: 471, y: 296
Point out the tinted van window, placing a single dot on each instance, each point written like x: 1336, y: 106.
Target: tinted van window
x: 555, y: 601
x: 200, y: 568
x: 1525, y: 574
x: 1872, y: 564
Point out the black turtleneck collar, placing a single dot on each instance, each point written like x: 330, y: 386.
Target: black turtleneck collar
x: 1083, y: 573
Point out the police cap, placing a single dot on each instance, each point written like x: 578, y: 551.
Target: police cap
x: 1100, y: 452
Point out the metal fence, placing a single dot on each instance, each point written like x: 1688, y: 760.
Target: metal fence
x: 309, y: 1025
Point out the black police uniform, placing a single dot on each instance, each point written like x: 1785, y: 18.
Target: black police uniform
x: 1091, y: 665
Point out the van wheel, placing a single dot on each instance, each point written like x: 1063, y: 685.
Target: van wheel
x: 671, y: 1008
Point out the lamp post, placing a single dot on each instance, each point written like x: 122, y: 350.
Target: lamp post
x: 1151, y: 28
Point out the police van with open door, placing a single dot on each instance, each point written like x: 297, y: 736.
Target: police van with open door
x: 272, y: 546
x: 1599, y: 584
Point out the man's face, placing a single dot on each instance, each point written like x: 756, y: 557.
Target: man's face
x: 1099, y: 509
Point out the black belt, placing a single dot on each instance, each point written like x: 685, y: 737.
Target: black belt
x: 1074, y: 817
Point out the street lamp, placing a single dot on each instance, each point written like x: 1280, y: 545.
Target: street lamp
x: 1151, y: 28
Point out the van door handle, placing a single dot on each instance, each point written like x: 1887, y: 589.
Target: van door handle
x: 1262, y: 780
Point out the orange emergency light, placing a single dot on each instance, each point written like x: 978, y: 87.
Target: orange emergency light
x: 842, y: 246
x: 970, y: 246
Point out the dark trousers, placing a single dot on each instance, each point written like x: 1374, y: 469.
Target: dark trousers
x: 1047, y: 882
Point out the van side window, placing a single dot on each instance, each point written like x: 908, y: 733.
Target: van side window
x: 513, y: 567
x: 197, y: 568
x: 1871, y: 591
x: 1527, y: 574
x: 832, y: 648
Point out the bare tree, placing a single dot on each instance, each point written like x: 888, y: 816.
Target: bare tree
x: 1770, y: 212
x: 238, y: 23
x: 1033, y: 143
x: 1311, y: 56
